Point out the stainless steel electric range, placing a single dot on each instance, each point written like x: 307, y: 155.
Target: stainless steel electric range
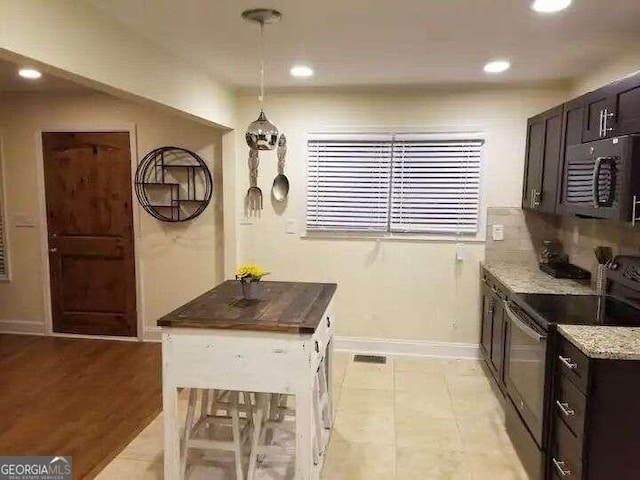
x: 530, y: 349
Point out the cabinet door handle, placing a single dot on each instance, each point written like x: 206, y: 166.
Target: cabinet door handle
x: 607, y: 115
x: 564, y: 408
x: 601, y: 126
x: 561, y: 468
x: 568, y: 362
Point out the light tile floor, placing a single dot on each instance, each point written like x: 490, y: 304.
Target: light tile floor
x: 409, y: 419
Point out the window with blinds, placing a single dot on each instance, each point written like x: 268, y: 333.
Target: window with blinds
x: 348, y: 182
x: 396, y: 183
x: 436, y: 184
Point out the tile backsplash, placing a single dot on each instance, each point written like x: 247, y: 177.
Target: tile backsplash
x: 525, y: 231
x: 591, y: 233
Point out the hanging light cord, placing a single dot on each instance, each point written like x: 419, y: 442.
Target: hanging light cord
x: 261, y: 96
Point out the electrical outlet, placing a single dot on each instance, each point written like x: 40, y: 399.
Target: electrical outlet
x: 497, y: 233
x: 292, y: 227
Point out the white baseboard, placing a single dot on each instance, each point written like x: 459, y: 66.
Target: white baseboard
x: 380, y: 346
x: 22, y: 327
x: 151, y: 334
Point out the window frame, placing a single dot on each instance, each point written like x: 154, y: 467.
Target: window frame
x: 467, y: 132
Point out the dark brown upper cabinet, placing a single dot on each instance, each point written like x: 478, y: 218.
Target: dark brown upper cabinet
x: 598, y: 109
x: 542, y: 161
x: 610, y: 111
x: 625, y: 94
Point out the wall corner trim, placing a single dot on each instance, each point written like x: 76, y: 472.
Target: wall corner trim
x: 379, y: 346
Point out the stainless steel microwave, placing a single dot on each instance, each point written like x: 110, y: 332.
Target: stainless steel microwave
x: 601, y: 179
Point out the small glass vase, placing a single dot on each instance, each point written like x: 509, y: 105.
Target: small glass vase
x: 251, y: 290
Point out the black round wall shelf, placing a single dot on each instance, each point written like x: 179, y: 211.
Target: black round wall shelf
x: 173, y: 184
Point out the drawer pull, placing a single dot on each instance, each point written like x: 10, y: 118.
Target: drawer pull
x: 568, y: 362
x: 328, y: 321
x: 317, y: 347
x: 560, y: 468
x: 564, y: 408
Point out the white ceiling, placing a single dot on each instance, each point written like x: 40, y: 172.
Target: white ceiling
x: 387, y: 42
x: 11, y: 82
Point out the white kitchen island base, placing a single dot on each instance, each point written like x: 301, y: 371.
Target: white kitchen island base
x: 266, y: 362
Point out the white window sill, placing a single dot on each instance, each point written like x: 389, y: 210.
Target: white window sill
x: 392, y: 237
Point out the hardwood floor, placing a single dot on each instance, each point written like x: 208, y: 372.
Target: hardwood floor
x: 85, y: 398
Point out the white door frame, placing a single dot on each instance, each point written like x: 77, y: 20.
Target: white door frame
x: 44, y: 230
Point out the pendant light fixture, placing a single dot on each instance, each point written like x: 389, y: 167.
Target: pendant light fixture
x: 262, y: 134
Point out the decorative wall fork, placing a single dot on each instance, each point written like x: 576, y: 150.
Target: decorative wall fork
x: 254, y: 194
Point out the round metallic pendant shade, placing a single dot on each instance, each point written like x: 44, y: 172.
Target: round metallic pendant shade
x: 261, y: 134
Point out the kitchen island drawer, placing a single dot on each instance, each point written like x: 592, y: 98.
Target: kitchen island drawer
x: 573, y: 364
x: 570, y: 405
x: 566, y: 452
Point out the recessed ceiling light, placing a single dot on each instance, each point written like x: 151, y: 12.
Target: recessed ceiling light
x: 303, y: 71
x: 29, y: 73
x: 550, y: 6
x: 497, y: 66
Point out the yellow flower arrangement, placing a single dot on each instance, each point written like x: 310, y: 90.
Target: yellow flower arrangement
x: 250, y: 272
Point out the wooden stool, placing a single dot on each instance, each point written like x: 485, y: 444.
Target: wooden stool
x: 218, y: 408
x: 270, y: 413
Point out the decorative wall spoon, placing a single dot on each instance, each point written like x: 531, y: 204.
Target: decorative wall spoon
x: 280, y: 188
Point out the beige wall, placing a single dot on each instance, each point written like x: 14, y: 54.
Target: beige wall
x: 177, y: 261
x: 392, y: 289
x: 617, y: 68
x: 77, y: 40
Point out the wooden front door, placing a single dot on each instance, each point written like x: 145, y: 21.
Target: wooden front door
x: 90, y: 228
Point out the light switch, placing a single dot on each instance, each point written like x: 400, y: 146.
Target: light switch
x: 24, y: 220
x: 497, y: 233
x: 292, y: 226
x: 576, y: 235
x: 461, y: 252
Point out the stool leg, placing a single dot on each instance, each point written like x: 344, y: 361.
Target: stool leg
x: 204, y: 406
x: 258, y: 427
x: 237, y: 438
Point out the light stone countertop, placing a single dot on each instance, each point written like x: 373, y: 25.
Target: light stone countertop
x: 528, y: 278
x: 603, y: 342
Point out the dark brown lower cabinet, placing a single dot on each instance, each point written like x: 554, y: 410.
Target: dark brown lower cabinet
x: 492, y: 336
x: 595, y: 418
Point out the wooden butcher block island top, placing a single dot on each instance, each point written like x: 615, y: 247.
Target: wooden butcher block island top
x: 291, y: 307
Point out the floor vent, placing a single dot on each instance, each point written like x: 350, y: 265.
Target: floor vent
x: 370, y: 359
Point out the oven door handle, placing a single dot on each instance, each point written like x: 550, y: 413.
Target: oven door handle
x: 522, y: 325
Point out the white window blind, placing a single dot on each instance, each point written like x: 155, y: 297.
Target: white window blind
x: 398, y: 183
x: 436, y: 184
x: 348, y: 182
